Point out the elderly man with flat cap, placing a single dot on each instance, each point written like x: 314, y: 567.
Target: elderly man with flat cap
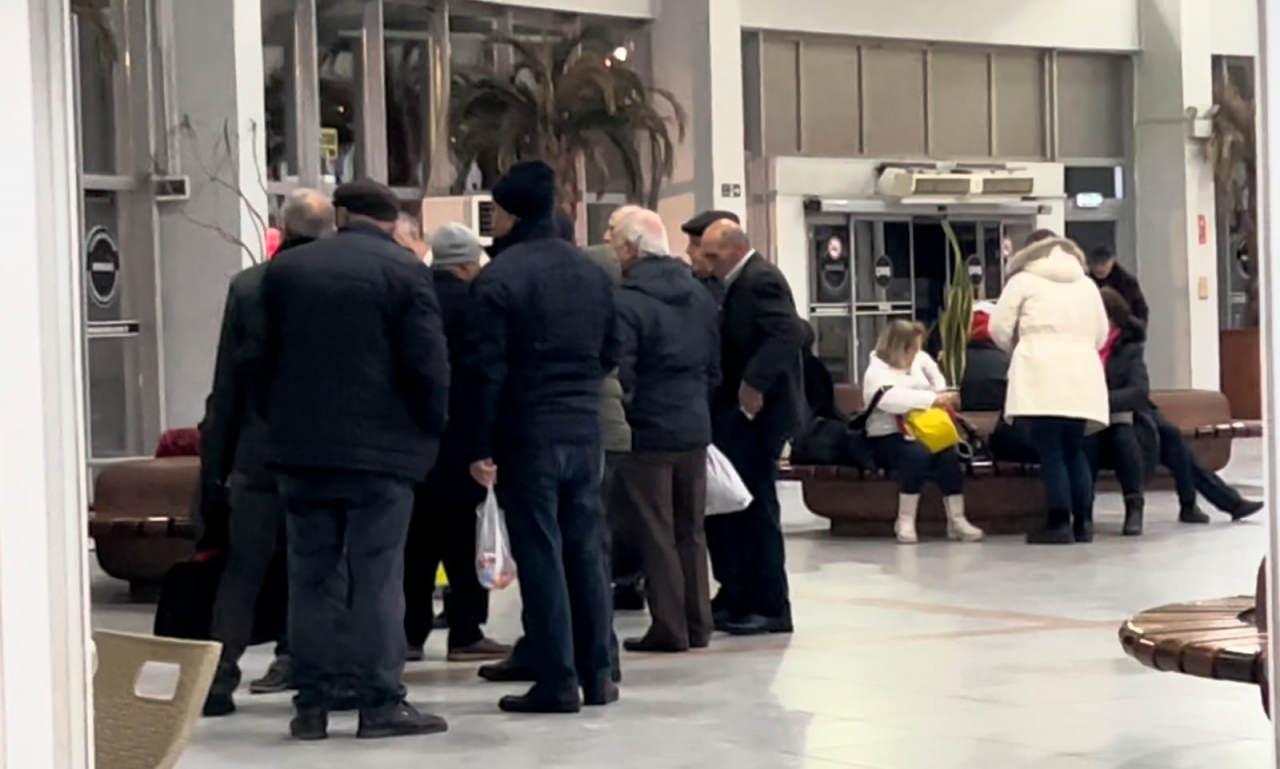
x: 703, y: 270
x: 356, y: 387
x: 543, y: 340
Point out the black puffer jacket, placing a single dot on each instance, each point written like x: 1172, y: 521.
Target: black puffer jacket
x: 356, y: 368
x: 541, y: 341
x: 986, y: 378
x: 669, y: 357
x: 1128, y: 384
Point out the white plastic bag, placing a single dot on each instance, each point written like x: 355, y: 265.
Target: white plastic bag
x: 495, y: 568
x: 726, y: 493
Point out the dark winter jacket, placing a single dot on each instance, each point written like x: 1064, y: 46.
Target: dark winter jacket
x: 356, y: 367
x: 456, y: 308
x: 1127, y: 286
x: 543, y: 338
x: 986, y: 377
x: 761, y: 339
x: 1128, y: 384
x: 669, y: 356
x: 233, y: 433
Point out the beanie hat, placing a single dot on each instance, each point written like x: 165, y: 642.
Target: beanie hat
x: 696, y: 226
x: 527, y: 191
x: 365, y: 197
x: 454, y: 244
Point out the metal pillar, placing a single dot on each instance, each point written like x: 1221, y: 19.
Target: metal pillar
x: 305, y: 72
x: 372, y: 138
x: 440, y: 172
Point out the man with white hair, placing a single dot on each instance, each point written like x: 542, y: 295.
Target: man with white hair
x: 668, y: 363
x: 240, y: 510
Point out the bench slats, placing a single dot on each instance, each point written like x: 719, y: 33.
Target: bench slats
x: 1209, y: 639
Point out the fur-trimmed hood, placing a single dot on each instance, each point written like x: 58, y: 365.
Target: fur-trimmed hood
x: 1056, y: 259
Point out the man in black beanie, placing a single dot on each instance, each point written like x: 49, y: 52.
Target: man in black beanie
x: 543, y: 340
x: 356, y: 385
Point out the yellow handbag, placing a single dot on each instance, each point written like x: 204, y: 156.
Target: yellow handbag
x: 934, y: 428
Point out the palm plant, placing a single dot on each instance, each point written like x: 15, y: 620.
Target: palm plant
x: 564, y: 100
x: 1232, y: 152
x: 957, y: 314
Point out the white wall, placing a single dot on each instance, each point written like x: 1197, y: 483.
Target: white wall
x: 1235, y: 27
x: 45, y: 705
x: 1110, y: 25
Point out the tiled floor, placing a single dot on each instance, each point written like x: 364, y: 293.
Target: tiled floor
x: 936, y: 657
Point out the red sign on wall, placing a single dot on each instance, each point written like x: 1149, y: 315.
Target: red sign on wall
x: 1202, y: 226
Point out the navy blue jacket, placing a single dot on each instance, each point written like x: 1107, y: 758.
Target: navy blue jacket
x: 356, y: 371
x: 456, y: 309
x: 542, y: 338
x: 669, y: 358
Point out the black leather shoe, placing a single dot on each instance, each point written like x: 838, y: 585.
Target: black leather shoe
x: 699, y: 643
x: 536, y: 701
x: 1133, y: 511
x: 755, y: 624
x: 507, y: 671
x: 1082, y: 530
x: 398, y: 720
x: 601, y: 695
x: 1245, y: 510
x: 275, y: 680
x: 628, y: 598
x: 1192, y: 514
x: 219, y: 704
x: 1058, y: 535
x: 310, y: 724
x: 642, y: 645
x: 720, y: 619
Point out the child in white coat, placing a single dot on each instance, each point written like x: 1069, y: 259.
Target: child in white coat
x: 912, y: 381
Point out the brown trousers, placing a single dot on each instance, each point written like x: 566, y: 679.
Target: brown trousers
x: 661, y: 497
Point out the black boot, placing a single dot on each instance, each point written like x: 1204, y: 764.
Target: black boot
x: 1245, y: 509
x: 398, y: 720
x: 310, y: 724
x: 1056, y: 530
x: 1133, y: 507
x: 538, y: 700
x: 1082, y: 528
x: 1192, y: 514
x: 219, y: 701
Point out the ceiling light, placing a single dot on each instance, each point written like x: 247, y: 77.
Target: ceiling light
x: 621, y: 53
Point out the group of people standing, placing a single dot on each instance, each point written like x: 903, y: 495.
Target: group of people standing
x: 364, y: 403
x: 1061, y: 355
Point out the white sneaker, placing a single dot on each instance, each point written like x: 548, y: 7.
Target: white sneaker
x: 905, y: 529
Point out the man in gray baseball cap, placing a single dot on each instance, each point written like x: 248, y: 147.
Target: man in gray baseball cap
x: 444, y: 511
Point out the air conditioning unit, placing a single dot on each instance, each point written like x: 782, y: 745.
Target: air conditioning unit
x: 475, y: 211
x: 1006, y: 185
x: 916, y: 183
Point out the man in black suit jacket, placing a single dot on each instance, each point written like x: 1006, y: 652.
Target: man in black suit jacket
x: 239, y: 508
x: 356, y: 374
x: 760, y: 405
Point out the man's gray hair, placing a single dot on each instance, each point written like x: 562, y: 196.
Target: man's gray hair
x: 736, y: 238
x: 411, y: 222
x: 307, y: 213
x: 645, y: 229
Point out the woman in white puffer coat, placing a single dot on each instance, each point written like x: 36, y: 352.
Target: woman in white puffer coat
x: 1051, y: 318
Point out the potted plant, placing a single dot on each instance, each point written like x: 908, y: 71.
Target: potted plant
x: 956, y: 319
x: 566, y: 100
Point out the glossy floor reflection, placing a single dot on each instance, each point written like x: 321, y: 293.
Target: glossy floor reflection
x: 936, y: 657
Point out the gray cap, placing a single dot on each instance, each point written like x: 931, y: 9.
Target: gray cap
x: 455, y: 244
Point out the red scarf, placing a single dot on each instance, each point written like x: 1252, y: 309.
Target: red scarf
x: 1113, y: 337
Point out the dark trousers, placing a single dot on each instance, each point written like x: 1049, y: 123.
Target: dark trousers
x: 1117, y: 447
x: 346, y: 535
x: 912, y: 465
x: 663, y: 498
x: 1064, y: 467
x: 625, y: 559
x: 551, y: 497
x: 444, y: 530
x: 748, y: 554
x: 1189, y: 475
x: 254, y: 555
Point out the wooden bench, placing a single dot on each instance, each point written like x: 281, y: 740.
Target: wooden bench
x: 1005, y: 498
x: 1224, y: 639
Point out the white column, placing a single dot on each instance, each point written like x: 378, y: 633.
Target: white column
x: 218, y: 60
x: 1269, y: 298
x: 697, y: 55
x: 45, y: 709
x: 1177, y: 261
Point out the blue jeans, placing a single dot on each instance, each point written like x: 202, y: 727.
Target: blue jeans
x: 551, y: 496
x: 1064, y: 467
x: 346, y: 534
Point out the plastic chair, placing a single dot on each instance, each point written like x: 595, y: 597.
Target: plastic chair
x: 137, y: 731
